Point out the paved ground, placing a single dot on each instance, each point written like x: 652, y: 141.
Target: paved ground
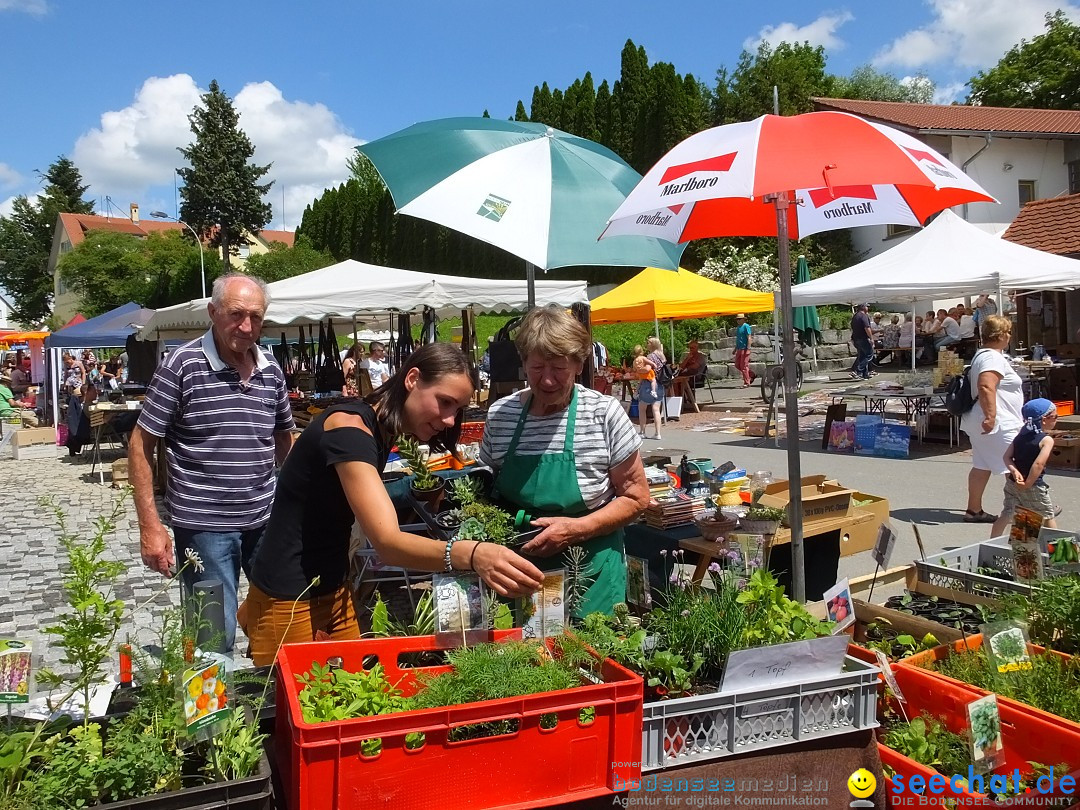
x: 928, y: 489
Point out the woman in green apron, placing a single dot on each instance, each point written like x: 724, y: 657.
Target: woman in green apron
x: 569, y: 456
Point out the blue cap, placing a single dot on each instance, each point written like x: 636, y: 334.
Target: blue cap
x: 1037, y: 408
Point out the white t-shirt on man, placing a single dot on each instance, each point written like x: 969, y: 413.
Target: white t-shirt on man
x: 376, y: 369
x: 950, y: 327
x: 967, y: 327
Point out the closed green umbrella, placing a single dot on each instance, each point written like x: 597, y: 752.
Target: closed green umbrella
x: 805, y: 319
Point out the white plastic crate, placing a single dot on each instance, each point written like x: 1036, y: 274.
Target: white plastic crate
x: 966, y: 569
x: 703, y: 727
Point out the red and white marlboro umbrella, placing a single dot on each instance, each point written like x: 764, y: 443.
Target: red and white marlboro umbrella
x: 843, y: 170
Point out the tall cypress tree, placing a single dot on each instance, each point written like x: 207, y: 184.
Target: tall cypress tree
x: 221, y: 196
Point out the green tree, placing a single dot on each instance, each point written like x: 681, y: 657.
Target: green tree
x: 108, y: 269
x: 26, y: 239
x: 796, y: 70
x: 285, y: 262
x: 221, y: 197
x: 871, y: 85
x: 1043, y: 73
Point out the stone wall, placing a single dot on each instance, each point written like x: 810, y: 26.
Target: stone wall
x: 834, y: 353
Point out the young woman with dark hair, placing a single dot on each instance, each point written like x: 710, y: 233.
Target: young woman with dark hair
x: 333, y: 476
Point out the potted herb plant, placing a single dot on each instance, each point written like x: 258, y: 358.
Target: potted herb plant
x: 426, y: 486
x: 762, y: 519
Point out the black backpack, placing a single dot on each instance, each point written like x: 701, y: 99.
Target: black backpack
x: 665, y: 375
x: 959, y: 397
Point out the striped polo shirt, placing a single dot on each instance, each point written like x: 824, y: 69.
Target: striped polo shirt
x: 219, y: 436
x: 604, y: 438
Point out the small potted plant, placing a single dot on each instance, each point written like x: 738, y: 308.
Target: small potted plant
x: 426, y: 486
x: 762, y: 519
x: 715, y: 525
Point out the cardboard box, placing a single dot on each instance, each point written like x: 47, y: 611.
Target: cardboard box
x: 757, y: 428
x: 24, y: 437
x: 32, y: 451
x: 862, y: 536
x: 1064, y: 456
x: 820, y: 499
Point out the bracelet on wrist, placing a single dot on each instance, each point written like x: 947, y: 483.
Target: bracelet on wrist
x: 472, y: 556
x: 447, y: 565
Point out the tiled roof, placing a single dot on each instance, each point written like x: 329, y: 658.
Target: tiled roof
x: 959, y: 118
x: 77, y: 225
x: 1052, y: 225
x: 285, y: 237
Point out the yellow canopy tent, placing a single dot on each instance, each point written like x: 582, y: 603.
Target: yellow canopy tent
x: 655, y: 295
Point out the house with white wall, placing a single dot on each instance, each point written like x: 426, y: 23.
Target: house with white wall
x: 1018, y: 155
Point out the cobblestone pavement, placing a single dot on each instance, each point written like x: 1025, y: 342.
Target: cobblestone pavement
x: 32, y: 562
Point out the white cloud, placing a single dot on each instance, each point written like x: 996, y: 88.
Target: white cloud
x: 821, y: 31
x: 8, y: 176
x: 948, y: 93
x: 36, y: 7
x: 134, y: 149
x: 972, y: 34
x: 8, y: 205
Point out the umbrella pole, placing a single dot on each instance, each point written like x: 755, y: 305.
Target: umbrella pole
x: 914, y: 340
x: 791, y: 402
x: 671, y: 326
x: 530, y: 281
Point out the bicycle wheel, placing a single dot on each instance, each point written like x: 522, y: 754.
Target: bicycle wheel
x: 770, y: 381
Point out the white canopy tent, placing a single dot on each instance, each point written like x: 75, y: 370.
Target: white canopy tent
x: 949, y: 257
x: 354, y: 289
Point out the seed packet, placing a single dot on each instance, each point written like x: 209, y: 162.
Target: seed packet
x: 838, y: 605
x: 638, y: 592
x: 1006, y: 646
x: 1025, y: 526
x: 984, y: 719
x: 16, y: 671
x: 205, y: 695
x: 544, y: 612
x: 460, y: 609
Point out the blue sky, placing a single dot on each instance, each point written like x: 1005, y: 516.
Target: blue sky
x: 110, y: 84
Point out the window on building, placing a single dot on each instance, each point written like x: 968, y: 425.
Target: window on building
x: 1026, y: 191
x: 245, y: 251
x: 899, y: 230
x: 1074, y: 177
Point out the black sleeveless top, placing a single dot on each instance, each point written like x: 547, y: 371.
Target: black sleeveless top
x: 311, y: 520
x: 1026, y: 450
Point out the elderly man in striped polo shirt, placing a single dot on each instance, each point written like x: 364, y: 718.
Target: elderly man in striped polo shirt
x: 221, y: 404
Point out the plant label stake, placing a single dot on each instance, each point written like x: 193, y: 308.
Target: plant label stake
x: 987, y: 751
x: 15, y: 672
x: 918, y: 542
x: 890, y: 680
x: 459, y: 609
x: 883, y: 549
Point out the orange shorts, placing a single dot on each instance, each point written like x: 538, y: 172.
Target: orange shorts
x: 269, y: 622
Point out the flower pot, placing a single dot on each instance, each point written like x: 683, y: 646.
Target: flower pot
x: 714, y: 529
x: 431, y: 497
x: 759, y: 526
x: 446, y: 520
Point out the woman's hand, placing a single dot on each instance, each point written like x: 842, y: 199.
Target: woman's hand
x: 559, y: 533
x: 510, y: 574
x: 988, y: 424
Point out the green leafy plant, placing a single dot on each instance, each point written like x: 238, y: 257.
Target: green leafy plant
x: 615, y: 637
x: 337, y: 694
x: 759, y: 512
x: 578, y: 578
x: 927, y: 741
x: 465, y: 490
x: 423, y: 478
x: 495, y: 524
x: 422, y: 623
x: 773, y: 618
x: 902, y: 645
x: 669, y: 675
x: 1052, y: 612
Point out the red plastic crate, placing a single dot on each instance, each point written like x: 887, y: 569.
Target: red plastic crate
x: 1026, y: 737
x: 321, y: 765
x: 919, y: 661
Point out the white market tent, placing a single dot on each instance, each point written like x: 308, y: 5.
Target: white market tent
x: 351, y: 288
x: 949, y: 257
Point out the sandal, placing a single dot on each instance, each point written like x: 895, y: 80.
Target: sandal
x: 978, y: 517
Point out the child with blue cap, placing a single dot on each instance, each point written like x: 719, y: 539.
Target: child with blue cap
x: 1026, y: 459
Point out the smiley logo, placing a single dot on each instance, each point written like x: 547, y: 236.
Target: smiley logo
x: 862, y: 783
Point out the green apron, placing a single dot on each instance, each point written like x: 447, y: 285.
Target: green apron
x: 546, y: 486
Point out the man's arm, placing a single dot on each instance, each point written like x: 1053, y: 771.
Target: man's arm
x: 283, y: 442
x: 155, y: 544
